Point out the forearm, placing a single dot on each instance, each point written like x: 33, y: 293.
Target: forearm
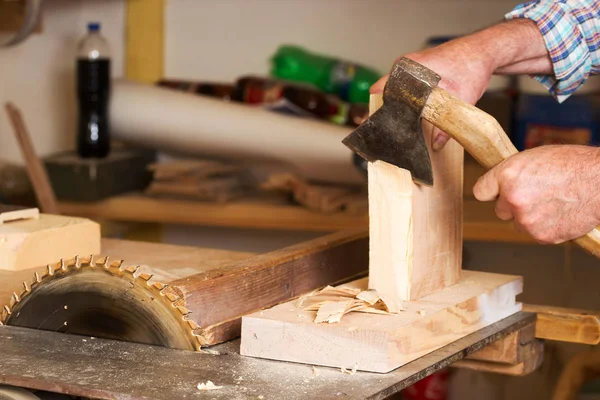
x: 513, y: 47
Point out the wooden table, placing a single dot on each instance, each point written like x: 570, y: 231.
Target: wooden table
x: 480, y: 222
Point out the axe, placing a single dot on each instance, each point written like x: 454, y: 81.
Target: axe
x: 393, y: 133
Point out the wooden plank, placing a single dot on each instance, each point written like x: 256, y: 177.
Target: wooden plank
x: 566, y: 325
x: 60, y: 363
x: 225, y: 295
x: 415, y: 231
x: 33, y: 242
x: 36, y: 171
x: 144, y: 40
x: 509, y: 349
x: 381, y: 343
x: 247, y: 213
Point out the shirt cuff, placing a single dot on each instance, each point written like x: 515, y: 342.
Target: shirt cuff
x: 563, y: 29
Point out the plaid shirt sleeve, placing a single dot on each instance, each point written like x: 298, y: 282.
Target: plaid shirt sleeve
x: 571, y: 31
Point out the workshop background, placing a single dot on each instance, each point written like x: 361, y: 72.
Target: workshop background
x: 222, y: 40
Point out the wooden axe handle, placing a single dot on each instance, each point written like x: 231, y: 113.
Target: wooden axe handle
x: 483, y: 137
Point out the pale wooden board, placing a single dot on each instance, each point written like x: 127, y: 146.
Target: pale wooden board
x: 30, y: 243
x: 15, y: 213
x: 415, y: 230
x: 381, y: 343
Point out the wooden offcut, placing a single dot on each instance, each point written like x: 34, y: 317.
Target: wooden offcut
x: 30, y: 243
x: 381, y: 343
x: 415, y: 231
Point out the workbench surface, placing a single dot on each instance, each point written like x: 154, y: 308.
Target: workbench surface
x: 106, y: 369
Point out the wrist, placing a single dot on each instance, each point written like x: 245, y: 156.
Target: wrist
x: 507, y: 43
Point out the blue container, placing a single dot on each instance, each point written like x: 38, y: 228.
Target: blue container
x: 541, y: 120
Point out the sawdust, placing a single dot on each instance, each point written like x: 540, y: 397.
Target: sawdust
x: 332, y: 303
x: 208, y: 386
x: 349, y: 372
x: 315, y: 371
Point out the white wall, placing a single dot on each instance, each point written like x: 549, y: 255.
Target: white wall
x: 38, y: 75
x: 220, y: 40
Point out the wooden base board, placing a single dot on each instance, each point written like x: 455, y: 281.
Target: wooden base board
x: 382, y: 343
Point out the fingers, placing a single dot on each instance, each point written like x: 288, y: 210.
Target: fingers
x: 487, y: 187
x: 379, y: 85
x: 503, y: 209
x: 439, y: 140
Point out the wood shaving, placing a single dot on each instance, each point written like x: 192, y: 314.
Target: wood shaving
x: 332, y: 311
x: 331, y: 303
x: 208, y: 386
x: 349, y: 372
x: 315, y: 371
x: 368, y: 296
x: 421, y: 312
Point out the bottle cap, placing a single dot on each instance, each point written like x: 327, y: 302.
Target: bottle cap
x: 94, y: 26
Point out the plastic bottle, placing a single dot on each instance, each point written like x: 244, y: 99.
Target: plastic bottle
x: 93, y: 93
x: 349, y: 81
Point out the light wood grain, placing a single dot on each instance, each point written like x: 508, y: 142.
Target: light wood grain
x: 566, y: 324
x: 30, y: 243
x: 15, y: 213
x: 415, y: 231
x: 380, y: 343
x: 483, y: 137
x: 36, y: 171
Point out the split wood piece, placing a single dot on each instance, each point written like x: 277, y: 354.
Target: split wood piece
x: 37, y: 174
x: 30, y: 243
x: 518, y: 354
x: 219, y: 298
x: 566, y: 325
x: 15, y: 213
x: 381, y: 343
x: 415, y: 231
x: 319, y: 197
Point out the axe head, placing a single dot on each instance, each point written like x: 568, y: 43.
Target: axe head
x: 393, y: 133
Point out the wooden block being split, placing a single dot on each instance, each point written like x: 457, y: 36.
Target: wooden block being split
x: 33, y: 242
x: 381, y: 343
x: 415, y: 231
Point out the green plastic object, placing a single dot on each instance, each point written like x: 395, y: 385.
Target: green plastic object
x: 350, y: 81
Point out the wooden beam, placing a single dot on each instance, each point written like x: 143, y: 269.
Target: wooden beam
x: 144, y: 40
x: 518, y: 354
x: 566, y: 324
x: 415, y: 231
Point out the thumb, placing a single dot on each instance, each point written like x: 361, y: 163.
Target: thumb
x: 487, y: 187
x: 379, y: 85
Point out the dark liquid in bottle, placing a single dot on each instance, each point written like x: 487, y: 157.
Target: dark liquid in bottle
x: 93, y: 90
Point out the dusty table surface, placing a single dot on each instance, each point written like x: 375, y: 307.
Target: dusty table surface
x: 108, y: 369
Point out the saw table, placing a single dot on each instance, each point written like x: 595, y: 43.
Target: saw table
x: 95, y: 367
x: 107, y: 369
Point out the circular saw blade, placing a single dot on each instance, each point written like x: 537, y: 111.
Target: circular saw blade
x: 96, y: 298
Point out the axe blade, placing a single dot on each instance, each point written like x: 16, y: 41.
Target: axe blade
x: 394, y: 135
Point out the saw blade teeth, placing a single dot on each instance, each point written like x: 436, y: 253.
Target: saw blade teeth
x: 26, y: 287
x: 50, y: 269
x: 77, y: 262
x: 117, y: 264
x: 145, y: 277
x: 104, y: 262
x: 63, y: 265
x: 38, y: 279
x: 92, y: 260
x: 172, y: 297
x: 132, y: 269
x: 183, y: 310
x: 7, y: 310
x: 159, y: 286
x: 14, y: 299
x: 193, y: 325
